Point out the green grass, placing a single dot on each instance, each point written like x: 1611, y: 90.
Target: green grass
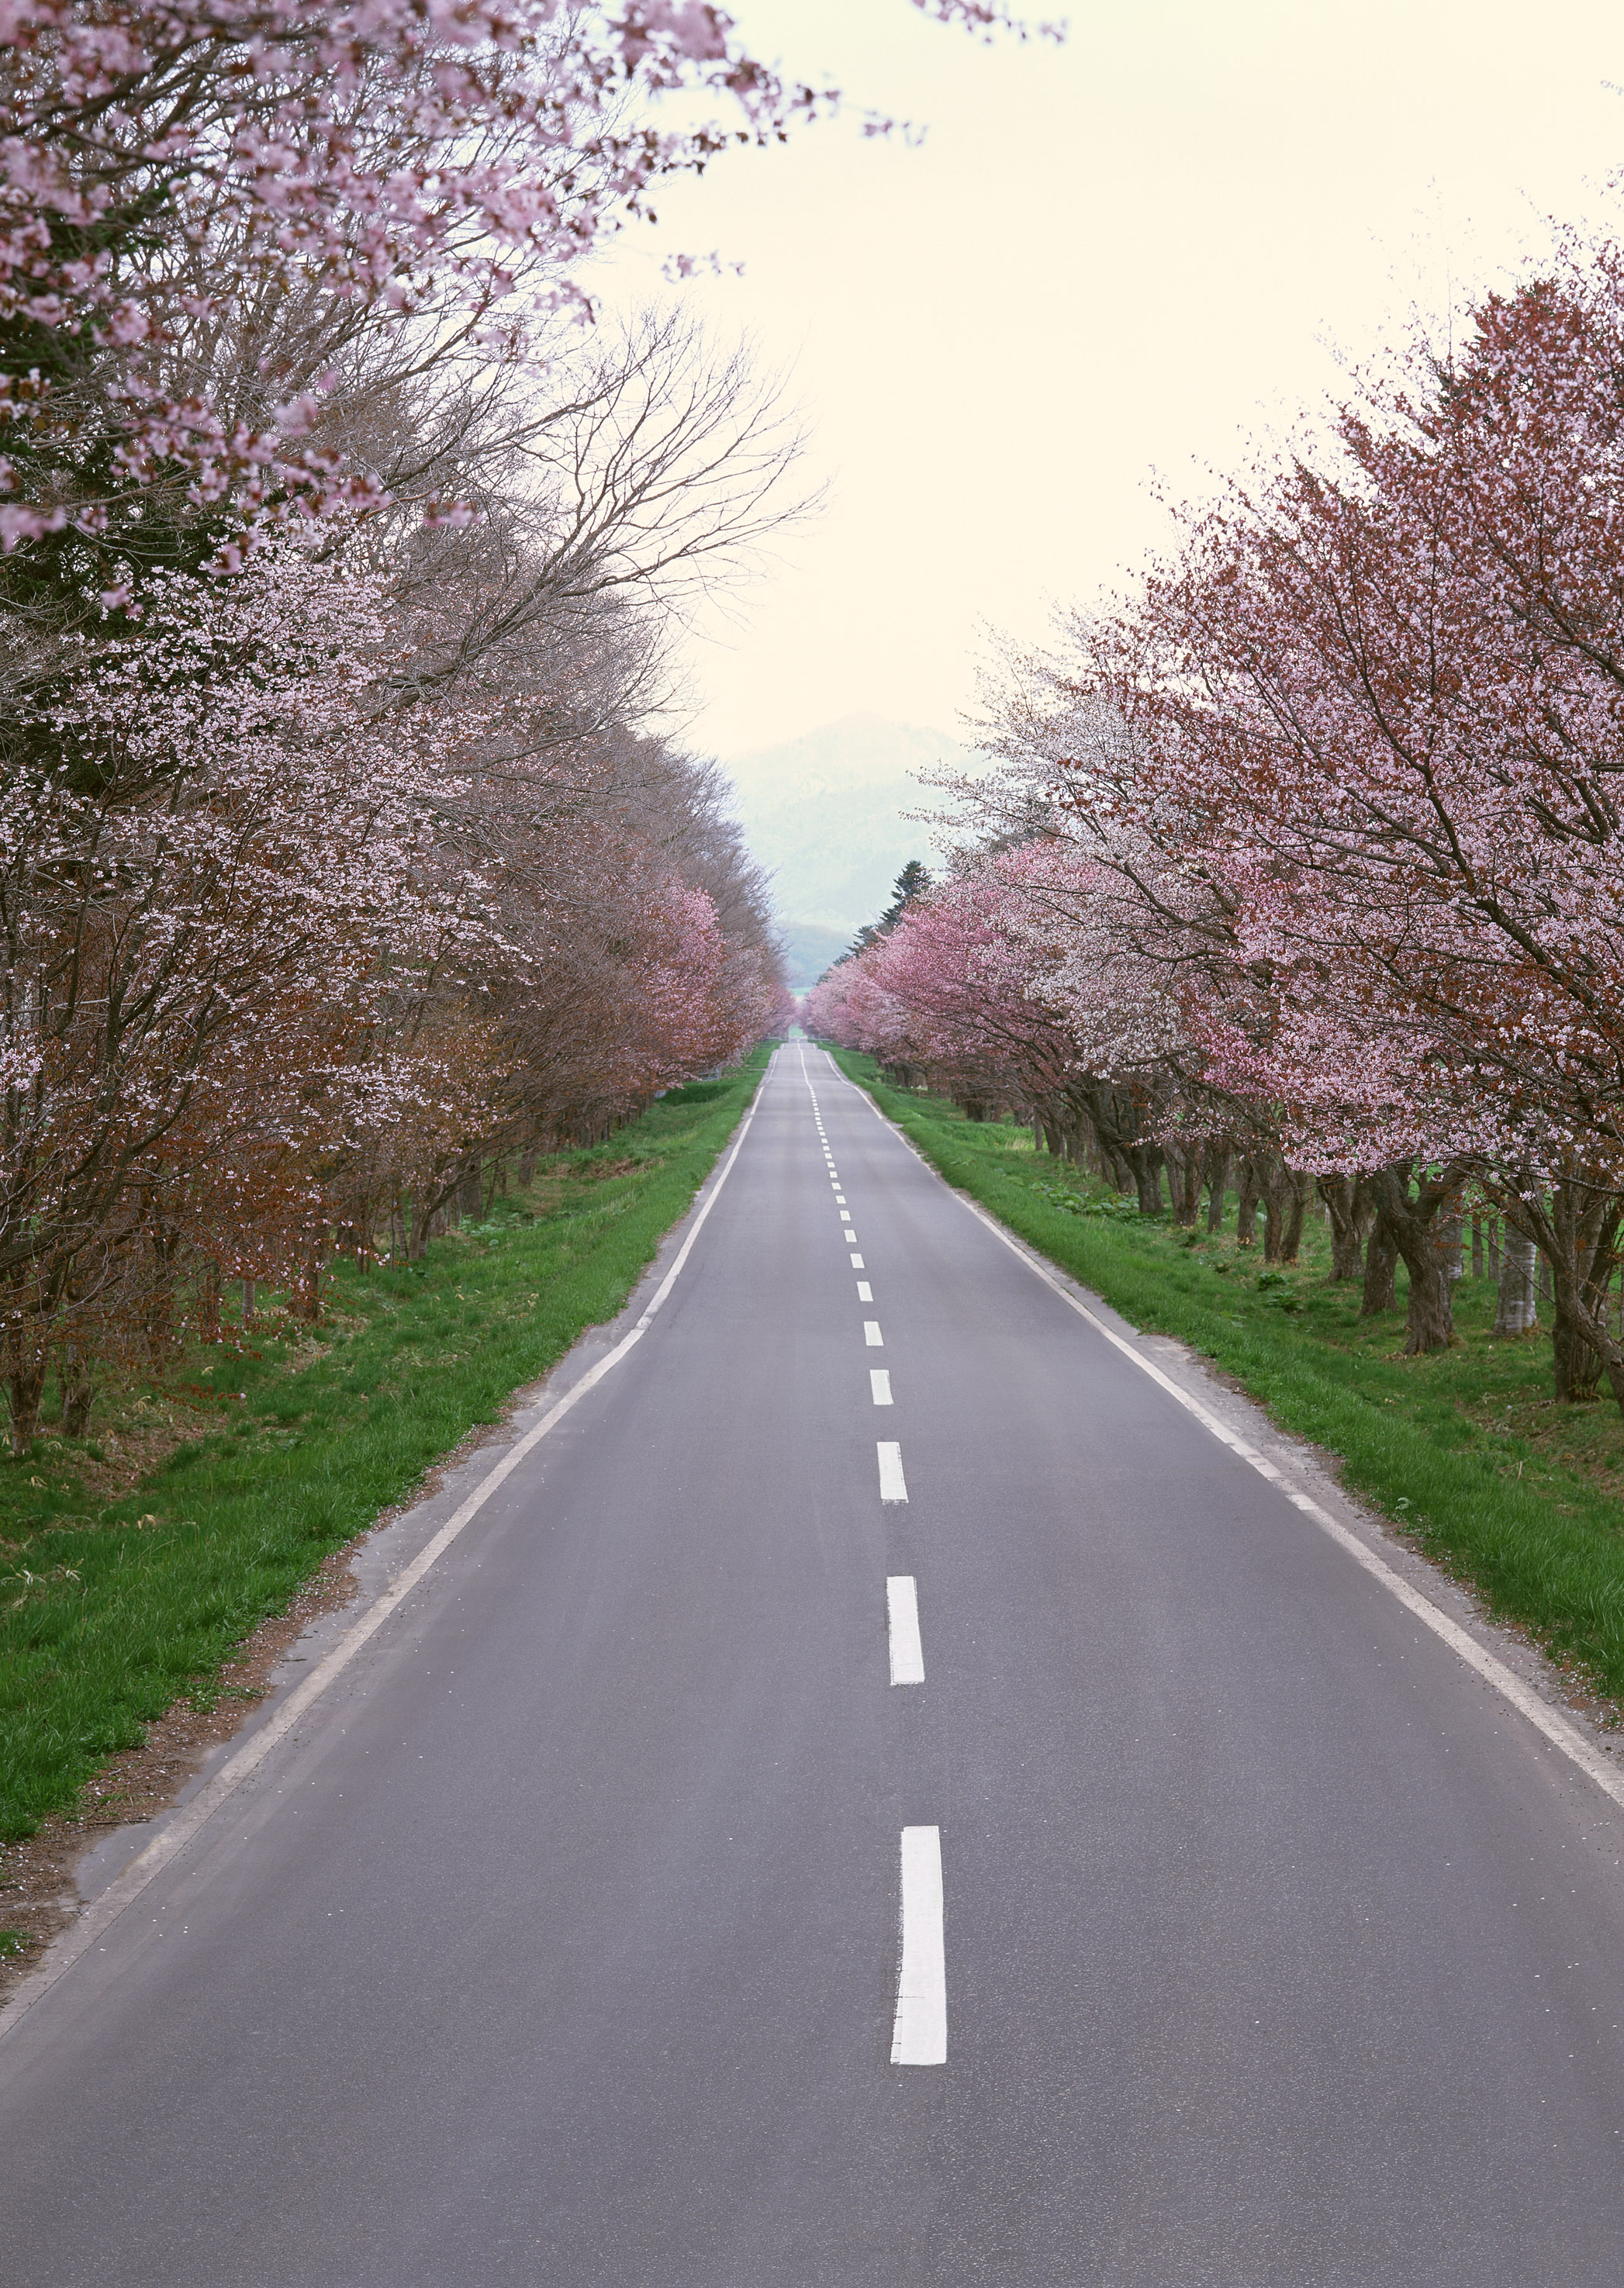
x: 111, y: 1610
x: 1519, y: 1498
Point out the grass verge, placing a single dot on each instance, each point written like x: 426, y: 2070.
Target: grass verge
x: 1465, y: 1451
x: 123, y: 1588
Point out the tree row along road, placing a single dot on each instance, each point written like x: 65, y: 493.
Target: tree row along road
x: 878, y: 1794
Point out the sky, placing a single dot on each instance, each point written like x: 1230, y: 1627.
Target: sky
x: 1111, y: 269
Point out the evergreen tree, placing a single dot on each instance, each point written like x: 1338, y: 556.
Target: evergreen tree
x: 911, y: 883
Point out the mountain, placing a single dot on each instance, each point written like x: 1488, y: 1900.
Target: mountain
x: 823, y: 813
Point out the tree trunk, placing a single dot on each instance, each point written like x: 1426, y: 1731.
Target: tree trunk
x: 1429, y: 1322
x: 1145, y: 1162
x: 25, y: 1383
x: 209, y: 1302
x: 1495, y: 1247
x: 1351, y: 1215
x: 1414, y: 1220
x: 160, y: 1311
x: 1283, y: 1191
x: 1450, y: 1230
x: 1245, y: 1210
x: 1585, y: 1229
x: 248, y: 1302
x: 1576, y: 1366
x: 1381, y: 1266
x: 1518, y: 1310
x: 78, y: 1390
x: 1296, y: 1208
x: 1215, y: 1175
x: 1477, y: 1247
x: 470, y: 1190
x: 1587, y: 1347
x: 1185, y: 1184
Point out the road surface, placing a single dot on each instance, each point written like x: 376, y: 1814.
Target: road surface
x: 1185, y: 1915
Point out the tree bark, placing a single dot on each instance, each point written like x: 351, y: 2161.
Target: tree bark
x: 1295, y: 1208
x: 1414, y: 1219
x: 1185, y: 1184
x: 1381, y: 1291
x: 1246, y: 1211
x: 25, y: 1384
x: 1450, y: 1241
x: 78, y: 1391
x: 1351, y: 1214
x: 1215, y: 1175
x: 1283, y: 1194
x: 209, y: 1302
x: 1145, y: 1162
x: 1580, y: 1248
x: 1517, y: 1310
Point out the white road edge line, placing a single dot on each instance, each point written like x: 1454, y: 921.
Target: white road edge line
x: 893, y: 1485
x: 919, y: 2031
x: 105, y: 1911
x: 1545, y: 1719
x: 908, y: 1654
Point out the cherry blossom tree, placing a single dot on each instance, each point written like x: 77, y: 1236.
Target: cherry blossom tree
x: 210, y: 857
x: 1369, y: 722
x: 288, y: 182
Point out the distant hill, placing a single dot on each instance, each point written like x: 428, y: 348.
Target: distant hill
x: 811, y: 947
x: 823, y: 813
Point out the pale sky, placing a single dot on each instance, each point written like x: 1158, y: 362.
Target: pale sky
x: 1118, y: 260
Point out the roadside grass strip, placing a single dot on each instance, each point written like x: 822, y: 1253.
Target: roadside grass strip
x: 1465, y: 1451
x: 110, y: 1614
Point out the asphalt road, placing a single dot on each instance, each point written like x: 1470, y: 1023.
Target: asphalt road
x: 559, y: 1944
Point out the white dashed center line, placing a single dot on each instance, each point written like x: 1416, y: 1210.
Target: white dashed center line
x: 872, y: 1336
x: 879, y: 1383
x: 919, y: 2036
x: 907, y: 1658
x: 857, y: 1260
x: 865, y: 1292
x: 893, y: 1485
